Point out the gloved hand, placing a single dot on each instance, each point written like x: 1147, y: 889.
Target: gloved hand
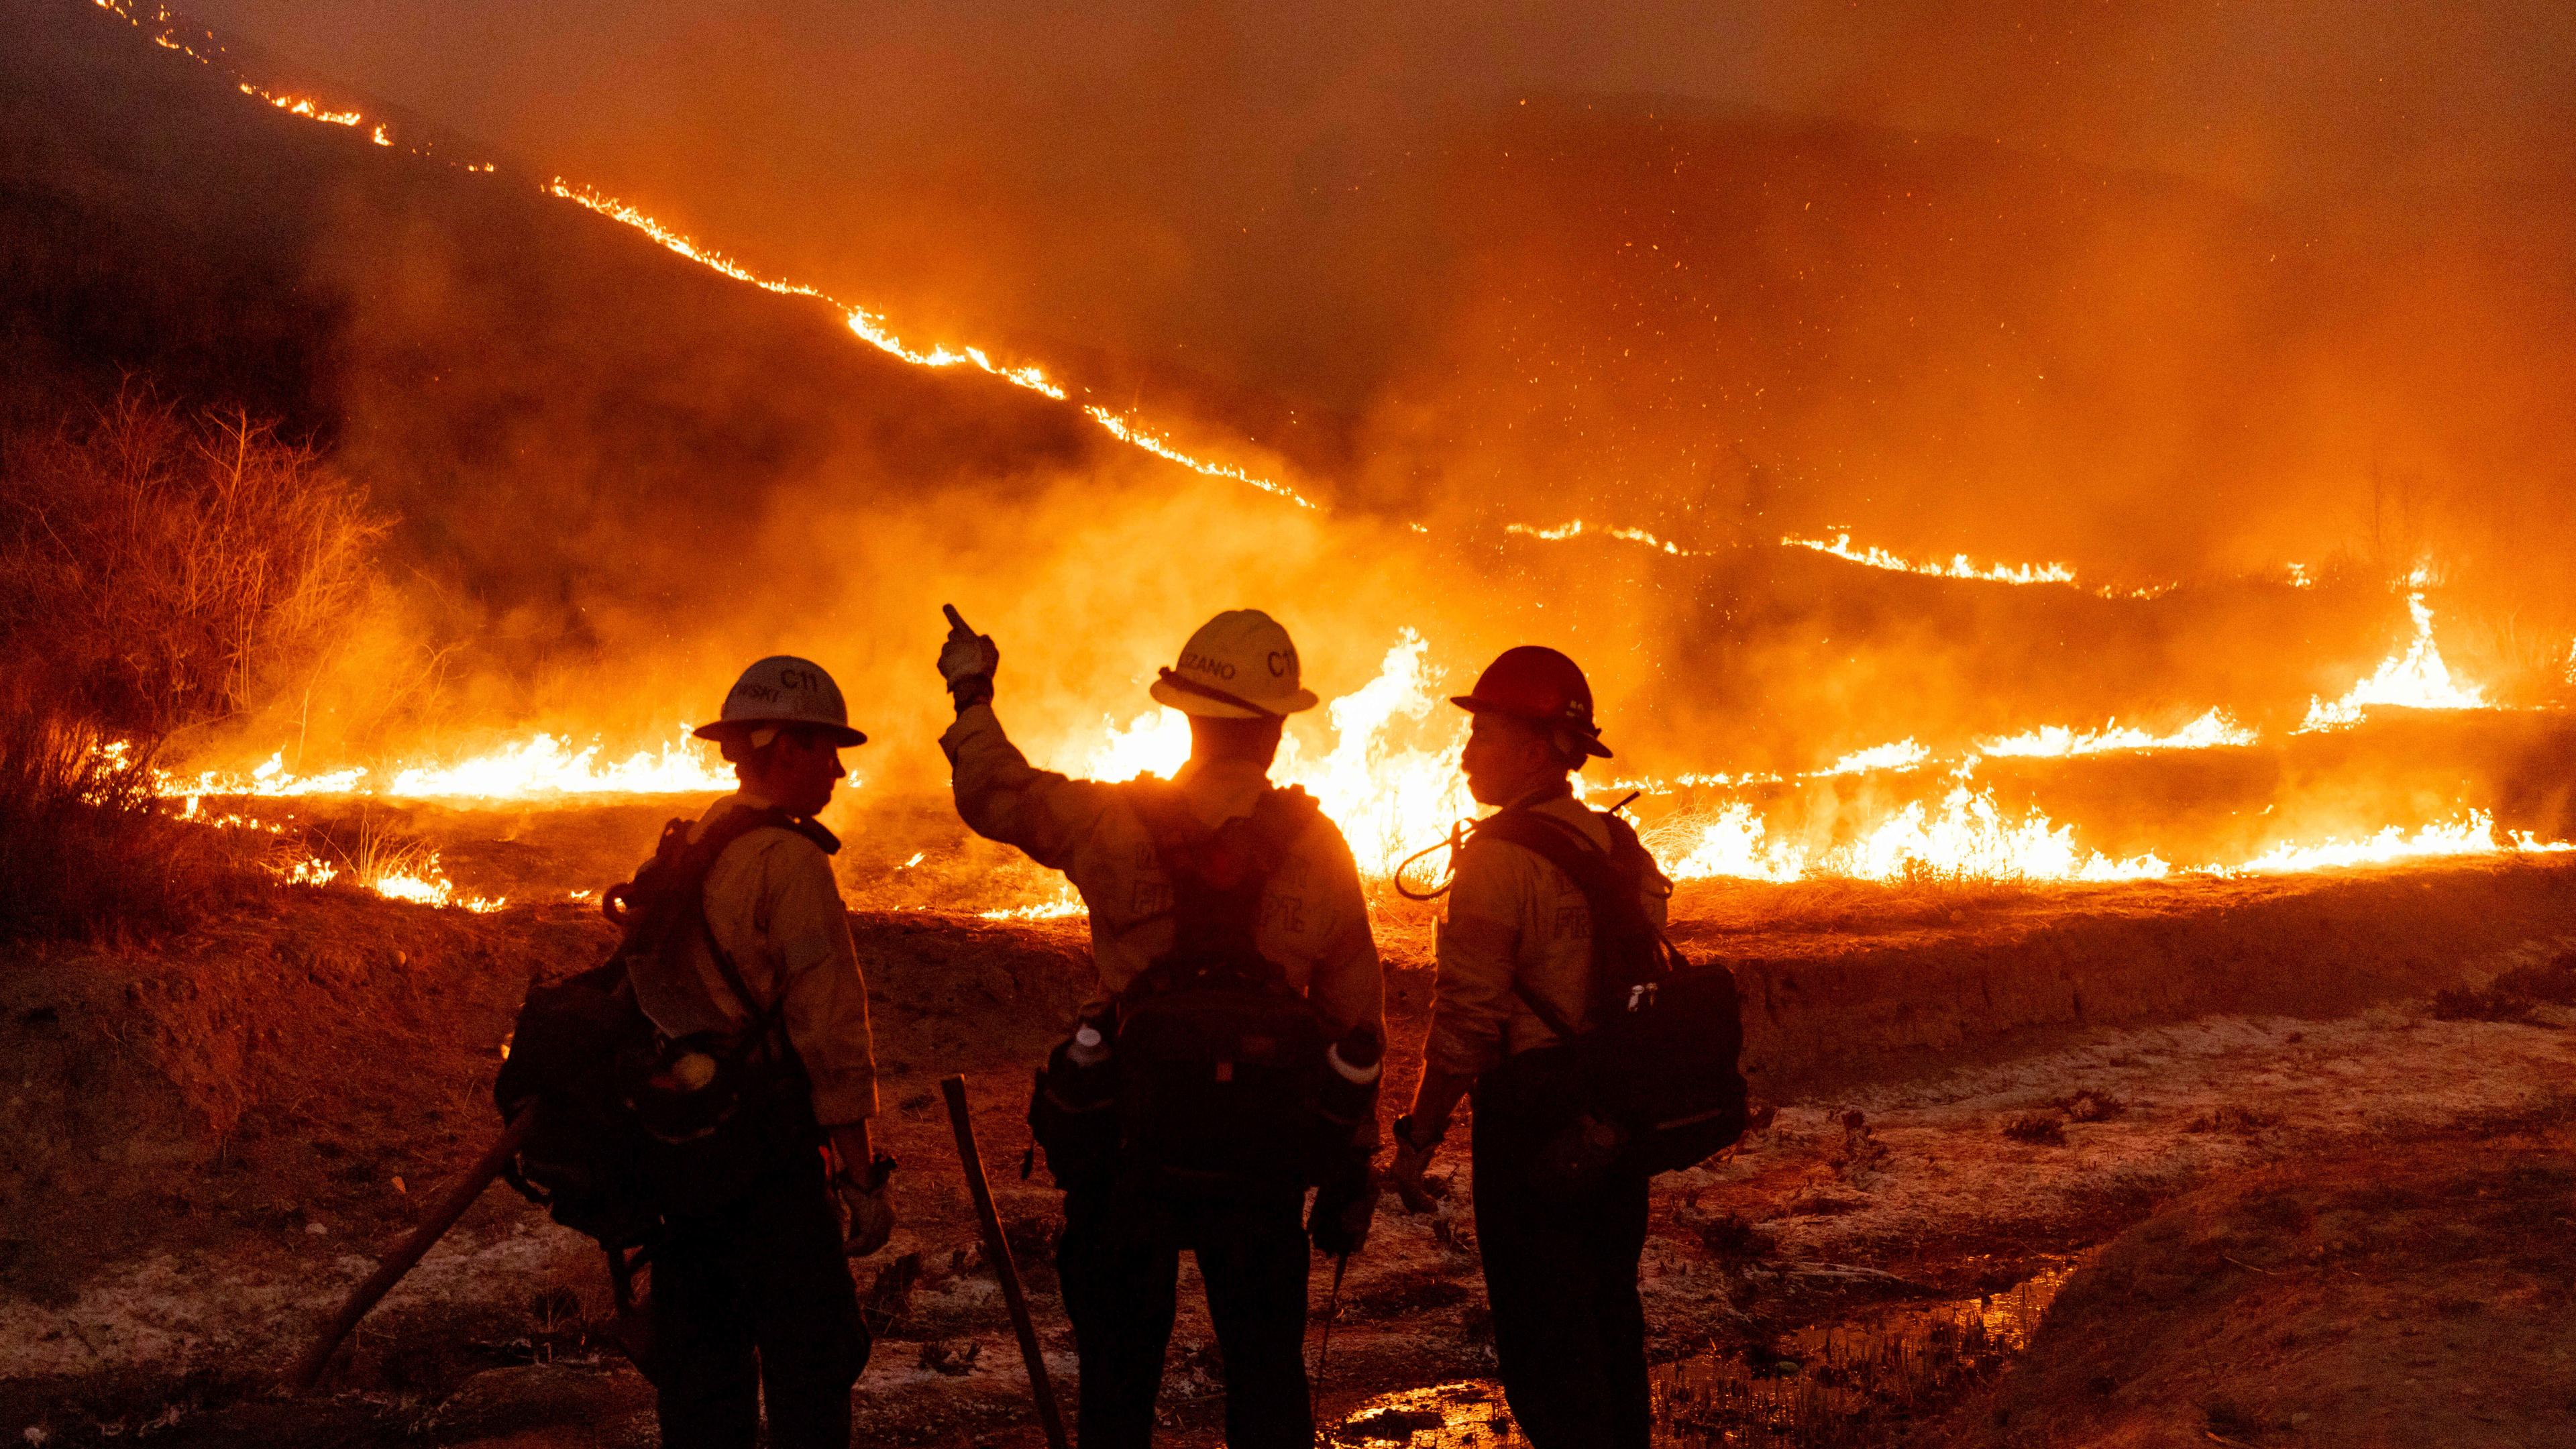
x: 1406, y: 1172
x: 967, y: 661
x: 1344, y: 1207
x: 871, y: 1215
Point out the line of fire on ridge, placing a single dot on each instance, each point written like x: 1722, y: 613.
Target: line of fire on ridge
x: 872, y: 328
x: 2418, y: 677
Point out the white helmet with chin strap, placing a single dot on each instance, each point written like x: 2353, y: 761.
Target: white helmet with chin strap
x: 780, y: 691
x: 1239, y: 665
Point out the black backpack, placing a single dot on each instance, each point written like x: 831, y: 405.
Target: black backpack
x: 1220, y: 1061
x: 633, y: 1129
x: 1654, y: 1085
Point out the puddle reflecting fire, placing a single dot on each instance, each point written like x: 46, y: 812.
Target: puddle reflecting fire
x: 1847, y: 1383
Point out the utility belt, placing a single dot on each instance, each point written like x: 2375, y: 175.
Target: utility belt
x: 1112, y: 1104
x: 722, y: 1117
x: 1533, y: 1107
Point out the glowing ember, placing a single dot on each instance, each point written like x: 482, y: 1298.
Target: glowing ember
x: 2211, y: 731
x: 2415, y: 679
x: 1065, y: 902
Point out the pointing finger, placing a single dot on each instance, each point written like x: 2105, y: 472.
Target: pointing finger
x: 956, y: 620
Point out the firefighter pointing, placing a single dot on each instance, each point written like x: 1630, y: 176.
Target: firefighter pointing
x: 1596, y: 1056
x: 1230, y: 1059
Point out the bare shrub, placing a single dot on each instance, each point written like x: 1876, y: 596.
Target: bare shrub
x: 2245, y: 1121
x: 164, y: 571
x: 2039, y: 1129
x: 2089, y: 1105
x: 2554, y: 983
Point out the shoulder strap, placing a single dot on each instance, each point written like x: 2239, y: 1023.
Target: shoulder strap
x: 678, y: 902
x: 1607, y: 889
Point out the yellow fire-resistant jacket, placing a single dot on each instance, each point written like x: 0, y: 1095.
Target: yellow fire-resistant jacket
x: 1314, y: 922
x: 774, y: 907
x: 1513, y: 917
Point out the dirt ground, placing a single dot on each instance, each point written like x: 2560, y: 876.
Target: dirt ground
x: 2419, y: 1292
x: 213, y: 1136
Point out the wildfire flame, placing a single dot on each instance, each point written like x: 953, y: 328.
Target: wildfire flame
x: 2474, y: 835
x: 2415, y: 679
x: 1968, y: 836
x: 422, y: 881
x: 1387, y: 790
x: 1390, y: 779
x: 2211, y: 731
x: 1578, y: 528
x: 1902, y: 755
x: 538, y: 766
x: 872, y: 329
x: 1959, y: 566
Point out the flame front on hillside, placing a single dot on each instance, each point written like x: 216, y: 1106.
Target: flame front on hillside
x: 2414, y: 679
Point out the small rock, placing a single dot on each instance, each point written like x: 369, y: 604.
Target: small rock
x: 398, y: 1185
x: 318, y: 1230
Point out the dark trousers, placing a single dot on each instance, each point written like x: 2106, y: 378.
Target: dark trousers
x: 1119, y: 1263
x: 755, y: 1303
x: 1569, y: 1331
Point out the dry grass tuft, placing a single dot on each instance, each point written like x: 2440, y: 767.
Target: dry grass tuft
x: 2038, y: 1129
x: 2088, y: 1105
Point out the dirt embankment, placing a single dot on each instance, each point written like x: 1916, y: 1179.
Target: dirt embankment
x: 220, y: 1128
x: 1848, y: 990
x: 339, y: 1042
x: 2410, y: 1294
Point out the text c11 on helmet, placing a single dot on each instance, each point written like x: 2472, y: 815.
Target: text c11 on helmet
x: 1239, y: 665
x: 1535, y: 683
x: 784, y: 690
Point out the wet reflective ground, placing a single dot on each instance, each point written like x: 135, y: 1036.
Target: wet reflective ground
x: 1852, y: 1382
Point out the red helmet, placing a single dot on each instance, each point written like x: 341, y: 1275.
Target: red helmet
x: 1537, y: 684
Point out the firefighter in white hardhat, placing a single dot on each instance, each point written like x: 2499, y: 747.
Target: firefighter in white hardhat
x: 1215, y: 887
x: 752, y: 1301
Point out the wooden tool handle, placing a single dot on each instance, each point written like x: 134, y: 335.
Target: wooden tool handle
x: 308, y: 1369
x: 997, y: 1251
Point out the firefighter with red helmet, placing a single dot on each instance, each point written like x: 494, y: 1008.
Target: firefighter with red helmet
x: 1560, y: 1249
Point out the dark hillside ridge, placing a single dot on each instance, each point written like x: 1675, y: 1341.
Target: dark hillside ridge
x: 514, y: 377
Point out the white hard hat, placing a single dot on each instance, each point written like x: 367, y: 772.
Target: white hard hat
x: 1239, y: 665
x: 784, y: 690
